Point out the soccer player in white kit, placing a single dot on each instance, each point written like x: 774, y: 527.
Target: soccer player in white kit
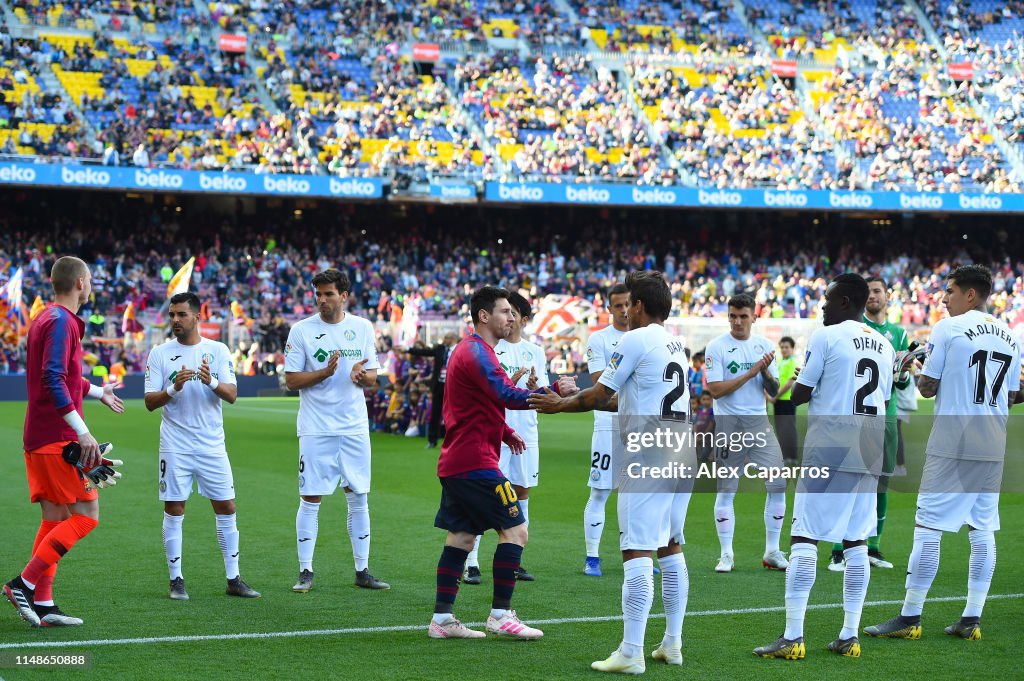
x: 973, y: 371
x: 847, y: 379
x: 601, y: 478
x: 647, y: 374
x: 740, y: 369
x: 189, y: 377
x: 526, y: 366
x: 329, y: 358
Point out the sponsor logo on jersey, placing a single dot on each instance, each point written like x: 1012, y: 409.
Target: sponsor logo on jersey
x: 349, y: 335
x: 733, y: 366
x: 615, y: 360
x: 321, y: 355
x: 731, y: 350
x: 319, y: 337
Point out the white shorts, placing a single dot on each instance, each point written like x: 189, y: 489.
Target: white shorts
x: 211, y: 472
x: 602, y: 461
x: 835, y: 516
x: 959, y: 493
x: 522, y: 470
x: 332, y: 461
x: 767, y: 456
x: 650, y: 521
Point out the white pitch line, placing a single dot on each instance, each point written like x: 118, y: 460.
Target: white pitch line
x: 417, y: 627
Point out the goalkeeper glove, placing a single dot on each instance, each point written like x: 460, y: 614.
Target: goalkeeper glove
x: 102, y: 475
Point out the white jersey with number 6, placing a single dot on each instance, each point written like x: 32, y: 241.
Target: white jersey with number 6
x: 335, y: 406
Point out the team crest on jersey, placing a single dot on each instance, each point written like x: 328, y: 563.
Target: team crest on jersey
x: 615, y: 360
x: 206, y: 357
x: 163, y: 486
x: 513, y: 511
x: 349, y: 334
x: 528, y: 356
x: 595, y: 475
x: 88, y: 484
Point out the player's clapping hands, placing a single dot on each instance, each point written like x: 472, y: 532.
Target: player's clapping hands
x: 332, y: 364
x: 358, y: 374
x: 763, y: 365
x: 531, y: 382
x: 112, y: 401
x: 183, y: 376
x: 204, y: 373
x: 515, y: 378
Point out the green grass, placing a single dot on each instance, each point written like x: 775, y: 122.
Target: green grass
x: 117, y: 581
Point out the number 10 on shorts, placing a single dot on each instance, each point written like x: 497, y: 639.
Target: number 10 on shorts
x: 507, y: 494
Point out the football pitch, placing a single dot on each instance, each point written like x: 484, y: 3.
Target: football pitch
x: 116, y: 579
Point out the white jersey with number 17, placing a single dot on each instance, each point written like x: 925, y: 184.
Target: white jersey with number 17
x: 977, y: 362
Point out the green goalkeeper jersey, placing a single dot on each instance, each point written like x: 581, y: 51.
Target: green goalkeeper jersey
x: 900, y: 341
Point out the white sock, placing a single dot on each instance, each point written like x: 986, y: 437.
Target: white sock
x: 172, y: 543
x: 442, y: 617
x: 359, y: 529
x: 725, y: 520
x: 593, y: 520
x: 498, y: 613
x: 637, y: 598
x: 774, y: 514
x: 524, y: 506
x: 306, y: 525
x: 227, y: 537
x: 803, y: 565
x: 982, y: 567
x: 675, y: 590
x: 472, y: 559
x: 921, y: 569
x: 855, y: 589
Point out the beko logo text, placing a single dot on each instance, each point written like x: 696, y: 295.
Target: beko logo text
x: 158, y: 180
x: 84, y: 176
x: 520, y: 192
x: 14, y: 173
x: 785, y: 199
x: 223, y: 183
x: 719, y: 198
x: 286, y: 185
x: 920, y: 201
x: 653, y: 196
x: 587, y: 195
x: 980, y: 202
x: 850, y: 200
x: 352, y: 187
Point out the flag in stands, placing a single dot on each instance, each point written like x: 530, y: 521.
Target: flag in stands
x: 180, y: 281
x: 37, y: 308
x: 11, y: 295
x: 559, y: 314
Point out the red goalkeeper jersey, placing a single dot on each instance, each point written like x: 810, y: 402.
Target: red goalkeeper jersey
x: 53, y: 369
x: 477, y: 391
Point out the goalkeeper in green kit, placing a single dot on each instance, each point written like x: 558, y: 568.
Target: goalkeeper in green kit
x: 874, y: 316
